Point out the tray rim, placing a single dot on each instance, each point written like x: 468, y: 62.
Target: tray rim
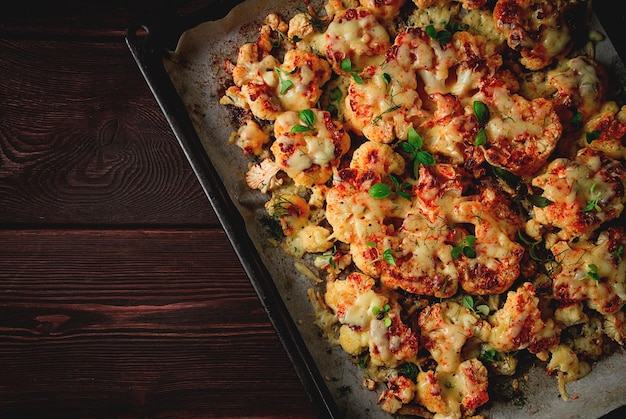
x: 147, y: 39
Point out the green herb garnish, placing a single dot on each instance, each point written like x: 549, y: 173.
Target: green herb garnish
x: 388, y: 257
x: 592, y: 136
x: 444, y: 36
x: 346, y: 66
x: 539, y: 201
x: 466, y: 248
x: 308, y: 117
x: 481, y: 111
x: 593, y: 272
x: 413, y: 146
x: 469, y: 303
x: 592, y: 204
x: 285, y: 83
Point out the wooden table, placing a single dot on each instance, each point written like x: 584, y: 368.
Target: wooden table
x: 120, y: 295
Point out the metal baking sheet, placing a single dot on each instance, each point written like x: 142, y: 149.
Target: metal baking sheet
x: 183, y: 62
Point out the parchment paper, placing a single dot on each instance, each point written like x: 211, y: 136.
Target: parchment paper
x: 196, y: 69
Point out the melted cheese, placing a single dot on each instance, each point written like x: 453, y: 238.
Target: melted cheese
x: 361, y: 313
x: 355, y: 34
x: 409, y: 250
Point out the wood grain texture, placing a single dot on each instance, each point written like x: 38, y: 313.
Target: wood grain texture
x: 63, y: 19
x: 136, y: 322
x: 83, y: 141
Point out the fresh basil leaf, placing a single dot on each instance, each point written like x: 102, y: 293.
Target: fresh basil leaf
x: 576, y: 119
x: 395, y: 182
x: 409, y: 370
x: 346, y: 65
x: 593, y: 272
x: 414, y: 138
x: 425, y: 158
x: 299, y: 128
x: 510, y: 179
x: 469, y: 252
x: 308, y: 117
x: 539, y: 201
x: 407, y: 147
x: 456, y: 252
x: 285, y: 85
x: 431, y: 31
x: 405, y: 195
x: 388, y: 257
x: 592, y: 136
x: 483, y: 309
x: 380, y: 191
x: 444, y: 36
x: 481, y: 138
x: 468, y: 302
x: 481, y: 111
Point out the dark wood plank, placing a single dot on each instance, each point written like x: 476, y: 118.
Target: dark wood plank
x: 41, y: 19
x: 136, y: 323
x: 82, y: 141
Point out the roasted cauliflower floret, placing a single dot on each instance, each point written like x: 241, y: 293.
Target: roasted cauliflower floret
x: 268, y: 88
x: 291, y: 210
x: 382, y: 105
x: 536, y: 29
x: 615, y: 327
x: 606, y: 131
x: 350, y: 209
x: 480, y: 22
x: 384, y: 10
x: 251, y: 138
x: 263, y: 176
x: 352, y: 299
x: 456, y: 67
x: 450, y: 131
x: 584, y: 193
x: 456, y: 394
x: 580, y: 86
x: 356, y: 217
x: 421, y: 248
x: 591, y: 272
x: 400, y: 391
x: 588, y: 343
x: 370, y: 321
x: 519, y: 325
x: 521, y: 134
x: 570, y: 314
x: 272, y: 24
x: 255, y: 81
x: 355, y: 35
x: 496, y: 263
x: 308, y: 146
x: 301, y: 78
x: 565, y: 363
x: 445, y: 327
x: 437, y: 15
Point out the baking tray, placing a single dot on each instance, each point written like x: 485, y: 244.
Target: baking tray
x: 181, y: 54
